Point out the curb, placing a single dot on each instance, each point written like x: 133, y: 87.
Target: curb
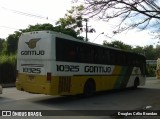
x: 8, y: 85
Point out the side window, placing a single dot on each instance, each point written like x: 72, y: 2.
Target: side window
x: 71, y: 53
x: 82, y: 54
x: 112, y: 55
x: 96, y: 56
x: 89, y: 54
x: 130, y: 59
x: 107, y: 57
x: 117, y: 57
x: 100, y: 56
x: 65, y: 50
x: 123, y: 57
x: 60, y: 48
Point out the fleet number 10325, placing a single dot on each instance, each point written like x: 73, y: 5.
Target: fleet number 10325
x: 68, y: 68
x: 31, y: 70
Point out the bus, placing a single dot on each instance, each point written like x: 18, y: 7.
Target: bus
x: 53, y: 63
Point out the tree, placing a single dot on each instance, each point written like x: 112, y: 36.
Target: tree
x: 74, y: 19
x: 10, y: 46
x: 1, y: 45
x: 4, y: 46
x: 140, y: 50
x: 47, y: 26
x: 38, y: 27
x: 150, y: 52
x: 132, y: 13
x: 157, y: 51
x: 118, y: 44
x: 12, y: 42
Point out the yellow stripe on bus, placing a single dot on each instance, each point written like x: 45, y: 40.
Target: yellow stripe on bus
x: 65, y: 85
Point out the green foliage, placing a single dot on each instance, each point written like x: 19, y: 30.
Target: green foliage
x: 151, y: 70
x: 157, y: 51
x: 7, y: 69
x: 38, y: 27
x: 1, y: 45
x: 8, y: 58
x: 4, y: 48
x: 151, y: 53
x: 72, y: 19
x: 68, y: 31
x: 138, y: 49
x: 12, y: 43
x: 118, y: 44
x: 47, y: 26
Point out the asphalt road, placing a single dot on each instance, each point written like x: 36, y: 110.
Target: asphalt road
x: 146, y: 96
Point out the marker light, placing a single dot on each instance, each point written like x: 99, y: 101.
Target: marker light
x: 49, y: 76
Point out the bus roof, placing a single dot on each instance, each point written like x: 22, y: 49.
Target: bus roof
x: 62, y: 35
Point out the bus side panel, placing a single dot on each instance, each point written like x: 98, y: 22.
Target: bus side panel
x: 121, y: 77
x: 71, y: 85
x: 124, y: 77
x: 118, y: 79
x: 102, y: 83
x: 136, y: 73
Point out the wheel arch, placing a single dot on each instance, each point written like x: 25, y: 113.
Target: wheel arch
x: 89, y: 87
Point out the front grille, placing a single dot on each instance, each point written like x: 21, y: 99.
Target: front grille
x: 64, y: 84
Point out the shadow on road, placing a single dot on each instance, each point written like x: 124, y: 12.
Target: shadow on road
x: 76, y: 98
x: 4, y: 99
x: 117, y: 99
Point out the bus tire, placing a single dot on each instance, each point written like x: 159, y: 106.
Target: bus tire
x: 89, y: 88
x: 136, y: 83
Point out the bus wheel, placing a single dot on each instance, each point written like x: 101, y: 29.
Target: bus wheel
x: 89, y: 88
x: 136, y: 83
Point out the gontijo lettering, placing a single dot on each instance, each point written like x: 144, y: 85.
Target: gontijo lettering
x: 99, y: 69
x: 33, y: 52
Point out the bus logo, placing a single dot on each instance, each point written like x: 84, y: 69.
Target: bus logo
x: 32, y: 43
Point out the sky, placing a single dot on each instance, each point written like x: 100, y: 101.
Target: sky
x: 49, y: 11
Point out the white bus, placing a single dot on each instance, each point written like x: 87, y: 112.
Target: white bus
x: 57, y: 64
